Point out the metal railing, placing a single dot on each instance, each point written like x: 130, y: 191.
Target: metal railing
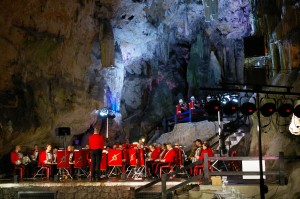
x: 186, y: 116
x: 207, y: 173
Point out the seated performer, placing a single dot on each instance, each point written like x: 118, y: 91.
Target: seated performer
x: 47, y: 158
x: 70, y: 150
x: 34, y: 154
x: 151, y: 157
x: 16, y: 158
x: 206, y: 149
x: 168, y: 159
x: 194, y: 156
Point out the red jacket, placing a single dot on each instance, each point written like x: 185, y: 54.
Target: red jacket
x: 169, y: 157
x: 14, y: 157
x: 155, y: 154
x: 208, y: 151
x: 96, y: 141
x: 43, y: 157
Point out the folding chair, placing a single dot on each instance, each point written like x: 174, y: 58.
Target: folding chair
x: 115, y: 161
x: 80, y: 162
x: 63, y: 164
x: 170, y: 167
x: 43, y: 168
x: 179, y: 163
x: 21, y: 169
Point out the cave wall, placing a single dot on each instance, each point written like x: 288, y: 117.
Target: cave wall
x: 54, y: 64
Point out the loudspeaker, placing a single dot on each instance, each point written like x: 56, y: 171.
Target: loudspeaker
x: 62, y: 131
x: 254, y: 46
x: 256, y: 75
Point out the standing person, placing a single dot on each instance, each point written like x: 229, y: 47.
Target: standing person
x: 96, y: 142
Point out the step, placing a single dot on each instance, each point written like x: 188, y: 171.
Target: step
x: 151, y: 195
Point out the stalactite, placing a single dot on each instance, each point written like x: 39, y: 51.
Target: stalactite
x: 106, y: 38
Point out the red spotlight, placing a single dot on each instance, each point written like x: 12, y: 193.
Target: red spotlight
x: 268, y: 109
x: 285, y: 110
x: 212, y: 107
x: 230, y: 108
x: 248, y: 108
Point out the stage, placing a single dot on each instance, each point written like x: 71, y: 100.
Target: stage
x: 111, y: 188
x: 115, y: 188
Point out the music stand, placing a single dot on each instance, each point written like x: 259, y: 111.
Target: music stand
x: 64, y: 131
x: 63, y: 164
x: 115, y: 160
x: 80, y: 162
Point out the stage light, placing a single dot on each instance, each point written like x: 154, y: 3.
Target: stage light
x: 285, y: 110
x: 297, y: 111
x: 268, y: 109
x: 212, y: 107
x: 248, y: 108
x: 111, y: 114
x: 103, y: 113
x: 230, y: 108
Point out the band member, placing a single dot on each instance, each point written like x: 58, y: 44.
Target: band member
x: 183, y: 156
x: 169, y: 158
x: 151, y: 156
x: 194, y: 156
x: 206, y: 149
x: 54, y: 153
x: 180, y: 108
x: 47, y: 158
x: 194, y: 104
x: 16, y: 158
x: 96, y: 142
x: 34, y: 153
x: 70, y: 150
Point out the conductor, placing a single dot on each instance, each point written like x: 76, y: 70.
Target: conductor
x: 96, y: 142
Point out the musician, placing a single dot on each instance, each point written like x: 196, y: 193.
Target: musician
x: 70, y: 150
x: 194, y: 156
x: 141, y: 143
x: 16, y: 158
x: 96, y: 142
x: 54, y: 153
x: 193, y: 104
x: 206, y: 149
x: 180, y: 108
x: 183, y: 156
x: 169, y: 158
x: 47, y: 158
x: 151, y: 157
x: 34, y: 154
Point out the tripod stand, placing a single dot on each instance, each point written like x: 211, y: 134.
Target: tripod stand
x: 63, y: 159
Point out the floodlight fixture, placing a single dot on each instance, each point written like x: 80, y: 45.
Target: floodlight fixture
x: 285, y: 109
x: 248, y: 108
x: 230, y: 108
x: 212, y: 107
x: 268, y: 109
